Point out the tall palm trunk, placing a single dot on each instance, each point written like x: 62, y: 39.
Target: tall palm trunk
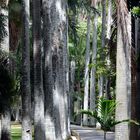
x: 4, y: 45
x: 25, y: 87
x: 72, y: 79
x: 93, y: 69
x: 103, y: 38
x: 108, y: 36
x: 103, y: 23
x: 57, y: 53
x: 103, y: 43
x: 78, y: 103
x: 58, y: 36
x: 109, y: 19
x: 48, y: 75
x: 55, y: 19
x: 86, y: 77
x: 63, y: 70
x: 123, y: 80
x: 39, y: 132
x: 66, y: 77
x: 134, y: 60
x: 6, y: 121
x: 137, y: 42
x: 17, y: 113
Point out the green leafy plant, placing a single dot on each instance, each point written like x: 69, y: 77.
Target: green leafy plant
x: 136, y: 11
x: 9, y: 86
x: 105, y: 115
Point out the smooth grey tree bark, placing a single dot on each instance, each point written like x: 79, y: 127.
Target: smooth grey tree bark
x: 103, y: 43
x: 137, y: 46
x: 25, y: 82
x: 17, y: 116
x: 123, y: 79
x: 66, y: 77
x: 56, y: 39
x: 6, y: 125
x: 39, y: 130
x: 72, y: 79
x: 108, y: 36
x: 103, y: 36
x: 50, y: 131
x: 93, y: 69
x: 109, y: 19
x: 58, y: 36
x: 4, y: 45
x: 86, y: 73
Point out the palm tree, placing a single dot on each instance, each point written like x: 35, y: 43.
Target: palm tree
x: 72, y: 80
x: 108, y: 36
x: 93, y: 69
x: 39, y: 132
x: 86, y: 77
x: 4, y: 45
x: 105, y: 115
x: 66, y: 79
x: 25, y: 85
x: 48, y: 77
x: 137, y: 23
x: 103, y: 37
x: 59, y: 44
x: 3, y: 32
x: 123, y: 80
x: 109, y: 19
x: 6, y: 124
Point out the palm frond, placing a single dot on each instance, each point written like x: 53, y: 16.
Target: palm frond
x: 105, y: 114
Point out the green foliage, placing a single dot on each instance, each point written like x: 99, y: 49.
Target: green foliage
x: 9, y: 86
x: 15, y: 9
x: 77, y: 96
x: 105, y: 114
x: 77, y: 51
x: 16, y: 132
x: 102, y: 66
x: 136, y: 11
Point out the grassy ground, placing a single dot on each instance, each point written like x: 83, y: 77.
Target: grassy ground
x: 16, y: 132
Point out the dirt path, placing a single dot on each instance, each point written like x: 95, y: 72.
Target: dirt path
x: 87, y: 133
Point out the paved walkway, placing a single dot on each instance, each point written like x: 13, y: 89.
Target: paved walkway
x: 87, y: 133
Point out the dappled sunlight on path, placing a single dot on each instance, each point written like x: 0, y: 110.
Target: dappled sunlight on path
x: 87, y: 133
